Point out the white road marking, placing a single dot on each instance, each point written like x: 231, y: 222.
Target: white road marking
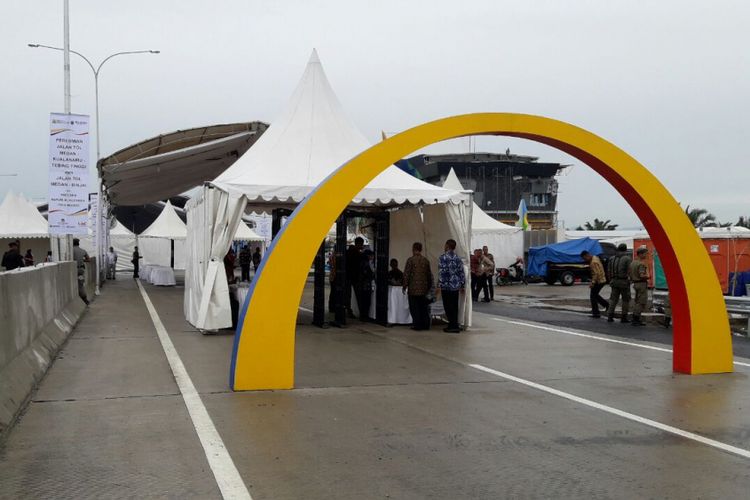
x: 596, y: 337
x: 225, y: 472
x: 614, y: 411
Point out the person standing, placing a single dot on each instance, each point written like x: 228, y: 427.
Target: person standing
x: 136, y: 261
x: 229, y: 260
x: 395, y: 275
x: 12, y: 258
x: 598, y: 280
x: 49, y: 258
x: 475, y: 268
x: 619, y: 282
x: 639, y: 275
x: 81, y: 257
x: 487, y: 267
x: 364, y: 283
x: 28, y: 259
x: 256, y: 259
x: 417, y: 283
x: 353, y: 261
x: 245, y: 259
x: 451, y: 282
x: 111, y: 264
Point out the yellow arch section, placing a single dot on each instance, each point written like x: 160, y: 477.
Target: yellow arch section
x: 263, y: 355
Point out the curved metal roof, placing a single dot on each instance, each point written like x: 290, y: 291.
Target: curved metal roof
x: 170, y: 164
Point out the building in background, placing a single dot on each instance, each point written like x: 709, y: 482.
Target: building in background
x: 499, y: 181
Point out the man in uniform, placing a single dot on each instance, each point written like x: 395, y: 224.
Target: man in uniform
x: 81, y: 257
x: 598, y: 280
x: 619, y: 268
x: 639, y: 276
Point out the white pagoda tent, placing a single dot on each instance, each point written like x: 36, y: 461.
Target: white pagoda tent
x: 21, y: 220
x: 310, y: 139
x: 166, y: 234
x: 504, y: 242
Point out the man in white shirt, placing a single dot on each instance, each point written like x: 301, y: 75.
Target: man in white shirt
x: 111, y: 263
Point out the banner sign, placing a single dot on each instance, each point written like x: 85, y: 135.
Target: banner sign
x: 68, y: 173
x: 262, y: 226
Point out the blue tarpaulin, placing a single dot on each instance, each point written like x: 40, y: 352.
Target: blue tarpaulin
x: 567, y: 252
x: 740, y: 286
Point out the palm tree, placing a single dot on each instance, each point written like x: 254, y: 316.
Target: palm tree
x: 598, y: 225
x: 743, y: 222
x: 700, y: 217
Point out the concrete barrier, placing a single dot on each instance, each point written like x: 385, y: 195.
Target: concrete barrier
x: 39, y: 307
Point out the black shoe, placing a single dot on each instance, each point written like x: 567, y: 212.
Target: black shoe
x: 637, y: 322
x: 595, y: 316
x: 486, y: 300
x: 452, y: 330
x: 610, y: 319
x: 624, y: 320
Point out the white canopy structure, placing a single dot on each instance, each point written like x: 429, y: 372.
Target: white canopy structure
x: 168, y: 225
x: 19, y: 218
x: 121, y: 239
x: 167, y: 232
x: 244, y: 233
x: 309, y: 140
x: 503, y: 241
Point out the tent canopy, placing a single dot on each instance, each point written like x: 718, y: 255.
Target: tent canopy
x: 168, y: 225
x: 170, y: 164
x: 244, y: 233
x: 19, y: 218
x: 120, y: 231
x: 567, y: 252
x: 311, y: 138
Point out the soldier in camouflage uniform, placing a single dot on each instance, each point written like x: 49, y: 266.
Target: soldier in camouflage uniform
x: 639, y: 276
x: 618, y: 269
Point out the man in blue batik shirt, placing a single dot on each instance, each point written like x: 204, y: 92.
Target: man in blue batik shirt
x: 451, y: 282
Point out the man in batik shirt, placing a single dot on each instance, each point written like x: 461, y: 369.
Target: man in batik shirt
x: 451, y: 282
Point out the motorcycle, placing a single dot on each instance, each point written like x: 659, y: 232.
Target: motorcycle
x: 511, y: 274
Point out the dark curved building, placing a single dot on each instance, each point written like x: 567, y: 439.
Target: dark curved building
x: 499, y: 181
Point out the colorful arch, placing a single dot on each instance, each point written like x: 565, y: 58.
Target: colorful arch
x: 263, y: 355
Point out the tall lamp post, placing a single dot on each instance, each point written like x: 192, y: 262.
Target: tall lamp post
x: 96, y: 71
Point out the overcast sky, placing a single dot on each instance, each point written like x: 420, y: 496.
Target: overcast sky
x: 667, y: 81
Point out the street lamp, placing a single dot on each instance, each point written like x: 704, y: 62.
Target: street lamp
x: 96, y: 71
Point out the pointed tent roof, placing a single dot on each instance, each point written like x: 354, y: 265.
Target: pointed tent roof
x: 309, y: 140
x: 167, y: 225
x: 19, y: 218
x: 119, y: 231
x: 244, y: 233
x: 480, y: 221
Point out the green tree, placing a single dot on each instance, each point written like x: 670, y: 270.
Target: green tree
x: 743, y: 221
x: 700, y: 217
x: 598, y: 225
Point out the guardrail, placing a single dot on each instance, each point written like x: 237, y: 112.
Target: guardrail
x: 735, y: 305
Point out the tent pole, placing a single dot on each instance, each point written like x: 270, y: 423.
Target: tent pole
x: 382, y: 287
x: 171, y: 253
x: 339, y: 285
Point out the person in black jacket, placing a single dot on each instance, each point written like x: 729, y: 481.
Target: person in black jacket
x: 353, y: 260
x: 136, y: 260
x: 12, y: 259
x: 364, y: 284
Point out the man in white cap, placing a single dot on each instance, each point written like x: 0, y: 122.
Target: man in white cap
x: 639, y: 276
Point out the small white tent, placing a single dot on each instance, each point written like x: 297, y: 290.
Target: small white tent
x: 21, y: 220
x: 504, y: 242
x: 154, y: 243
x: 304, y: 145
x: 123, y: 242
x: 244, y: 233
